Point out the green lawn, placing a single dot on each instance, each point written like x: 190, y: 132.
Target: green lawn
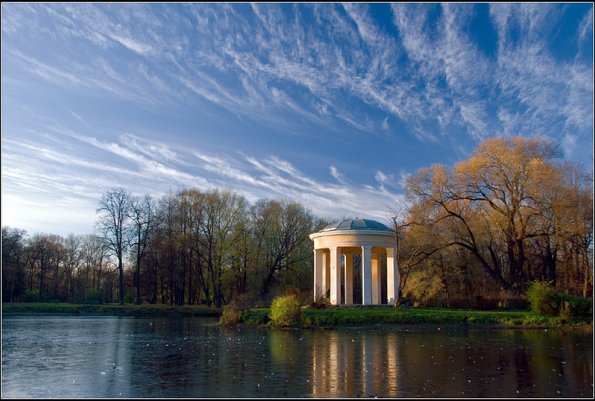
x: 318, y: 318
x: 366, y: 316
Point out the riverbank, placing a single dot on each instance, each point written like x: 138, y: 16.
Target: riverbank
x: 385, y: 315
x: 110, y: 309
x: 327, y: 318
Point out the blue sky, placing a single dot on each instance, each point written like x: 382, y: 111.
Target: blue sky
x: 329, y: 104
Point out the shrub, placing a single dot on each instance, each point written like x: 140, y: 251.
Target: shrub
x: 129, y: 298
x: 320, y: 302
x: 30, y: 296
x: 230, y: 315
x: 255, y: 316
x: 543, y: 298
x: 93, y: 297
x: 286, y: 311
x: 571, y: 306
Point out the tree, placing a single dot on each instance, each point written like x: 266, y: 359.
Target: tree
x: 113, y: 212
x: 46, y: 253
x: 281, y: 227
x: 222, y: 218
x: 71, y: 263
x: 13, y: 263
x: 141, y: 212
x: 494, y: 205
x: 93, y: 264
x: 573, y: 211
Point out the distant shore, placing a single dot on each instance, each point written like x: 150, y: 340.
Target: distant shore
x: 145, y: 310
x: 327, y: 318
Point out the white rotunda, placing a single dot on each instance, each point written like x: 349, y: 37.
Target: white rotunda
x: 334, y: 249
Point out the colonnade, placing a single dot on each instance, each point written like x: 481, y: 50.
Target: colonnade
x: 327, y: 273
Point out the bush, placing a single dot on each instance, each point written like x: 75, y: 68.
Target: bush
x: 320, y: 302
x: 255, y: 317
x: 571, y: 306
x: 30, y: 296
x: 286, y: 311
x: 543, y: 298
x: 94, y: 297
x: 230, y: 315
x: 129, y: 298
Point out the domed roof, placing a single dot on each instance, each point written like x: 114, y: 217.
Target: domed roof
x: 356, y: 224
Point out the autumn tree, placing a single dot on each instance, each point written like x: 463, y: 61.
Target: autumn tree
x: 572, y: 232
x: 493, y: 205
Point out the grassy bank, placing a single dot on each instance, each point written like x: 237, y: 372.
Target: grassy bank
x: 318, y: 318
x: 109, y: 309
x: 369, y: 316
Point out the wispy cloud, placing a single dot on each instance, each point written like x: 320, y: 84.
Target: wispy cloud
x: 245, y: 61
x: 336, y: 174
x: 331, y: 77
x: 132, y: 44
x: 155, y: 164
x: 586, y: 26
x: 539, y: 94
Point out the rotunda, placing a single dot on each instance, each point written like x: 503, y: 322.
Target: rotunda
x: 334, y: 249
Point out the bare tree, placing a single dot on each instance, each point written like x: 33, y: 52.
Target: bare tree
x: 93, y: 262
x: 141, y: 211
x: 112, y: 227
x: 13, y: 263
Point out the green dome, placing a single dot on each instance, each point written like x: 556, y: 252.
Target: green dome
x: 356, y: 224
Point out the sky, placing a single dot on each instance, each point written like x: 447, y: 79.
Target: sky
x: 332, y: 105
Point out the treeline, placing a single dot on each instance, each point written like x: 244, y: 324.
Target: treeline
x: 477, y: 232
x: 190, y: 247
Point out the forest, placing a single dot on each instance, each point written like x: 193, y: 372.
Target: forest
x: 470, y: 235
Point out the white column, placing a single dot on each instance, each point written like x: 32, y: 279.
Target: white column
x: 335, y: 276
x: 366, y: 275
x: 375, y: 279
x: 348, y: 279
x: 318, y: 278
x: 392, y: 276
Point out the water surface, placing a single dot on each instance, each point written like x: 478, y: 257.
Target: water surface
x: 102, y: 357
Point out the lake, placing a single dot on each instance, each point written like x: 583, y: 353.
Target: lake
x: 104, y: 357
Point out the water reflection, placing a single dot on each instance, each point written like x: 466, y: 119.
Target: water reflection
x: 362, y: 365
x: 76, y: 357
x: 509, y: 363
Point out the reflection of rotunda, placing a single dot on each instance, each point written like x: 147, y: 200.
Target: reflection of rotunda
x: 334, y: 249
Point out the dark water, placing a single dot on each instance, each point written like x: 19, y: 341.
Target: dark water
x: 100, y: 357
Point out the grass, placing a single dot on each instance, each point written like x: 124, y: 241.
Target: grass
x: 320, y: 318
x: 369, y: 316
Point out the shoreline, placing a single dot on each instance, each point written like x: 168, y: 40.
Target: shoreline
x: 329, y: 318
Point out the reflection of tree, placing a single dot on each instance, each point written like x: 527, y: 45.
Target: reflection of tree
x: 524, y: 376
